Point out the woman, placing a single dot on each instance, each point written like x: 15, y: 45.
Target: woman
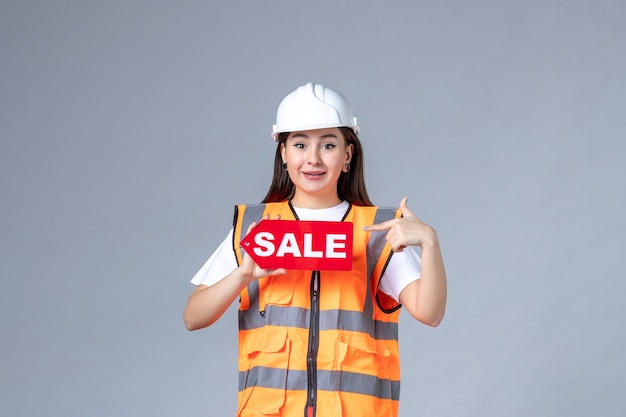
x: 322, y: 343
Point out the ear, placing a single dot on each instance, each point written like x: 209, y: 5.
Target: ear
x: 349, y: 151
x: 283, y: 151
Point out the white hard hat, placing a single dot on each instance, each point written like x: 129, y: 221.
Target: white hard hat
x: 313, y: 106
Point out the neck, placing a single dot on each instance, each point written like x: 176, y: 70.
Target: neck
x: 316, y: 202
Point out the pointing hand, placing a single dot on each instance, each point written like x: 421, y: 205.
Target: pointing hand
x: 405, y: 231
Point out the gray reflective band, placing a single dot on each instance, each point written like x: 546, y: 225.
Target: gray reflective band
x: 292, y: 380
x: 329, y: 320
x: 377, y: 239
x: 375, y: 247
x: 253, y: 213
x: 358, y: 322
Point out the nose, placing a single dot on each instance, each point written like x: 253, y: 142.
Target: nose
x: 313, y: 156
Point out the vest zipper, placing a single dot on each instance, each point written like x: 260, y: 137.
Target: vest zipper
x: 311, y: 359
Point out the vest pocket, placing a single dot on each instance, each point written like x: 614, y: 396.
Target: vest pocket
x: 358, y: 354
x: 265, y: 382
x: 363, y: 369
x: 278, y: 290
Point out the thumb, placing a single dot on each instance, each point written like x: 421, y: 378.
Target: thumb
x: 405, y: 209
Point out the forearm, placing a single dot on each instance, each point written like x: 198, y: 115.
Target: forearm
x: 207, y: 304
x: 432, y: 295
x: 425, y: 298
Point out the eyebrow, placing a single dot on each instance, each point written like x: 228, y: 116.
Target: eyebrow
x: 326, y: 136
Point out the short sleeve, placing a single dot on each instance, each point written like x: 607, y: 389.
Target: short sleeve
x: 404, y: 268
x: 221, y: 263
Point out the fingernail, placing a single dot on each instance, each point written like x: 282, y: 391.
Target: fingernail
x: 365, y: 228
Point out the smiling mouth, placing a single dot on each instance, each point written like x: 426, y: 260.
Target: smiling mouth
x: 313, y: 174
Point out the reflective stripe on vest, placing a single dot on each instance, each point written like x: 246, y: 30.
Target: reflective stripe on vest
x: 357, y: 364
x: 327, y: 380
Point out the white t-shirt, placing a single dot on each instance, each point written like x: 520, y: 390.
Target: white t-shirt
x: 404, y: 267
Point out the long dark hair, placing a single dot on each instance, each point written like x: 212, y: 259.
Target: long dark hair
x: 351, y: 184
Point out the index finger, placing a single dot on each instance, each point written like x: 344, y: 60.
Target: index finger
x: 386, y: 225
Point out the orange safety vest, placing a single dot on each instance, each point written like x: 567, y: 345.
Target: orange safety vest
x: 317, y: 343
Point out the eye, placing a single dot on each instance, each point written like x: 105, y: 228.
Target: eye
x: 328, y: 146
x: 299, y: 145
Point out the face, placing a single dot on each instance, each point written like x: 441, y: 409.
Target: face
x: 315, y: 160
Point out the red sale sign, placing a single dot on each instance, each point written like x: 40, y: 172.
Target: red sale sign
x: 296, y: 244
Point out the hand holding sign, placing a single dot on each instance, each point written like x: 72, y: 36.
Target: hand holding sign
x: 405, y: 231
x: 305, y: 245
x: 250, y: 267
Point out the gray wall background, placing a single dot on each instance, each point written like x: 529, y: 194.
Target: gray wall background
x: 130, y: 129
